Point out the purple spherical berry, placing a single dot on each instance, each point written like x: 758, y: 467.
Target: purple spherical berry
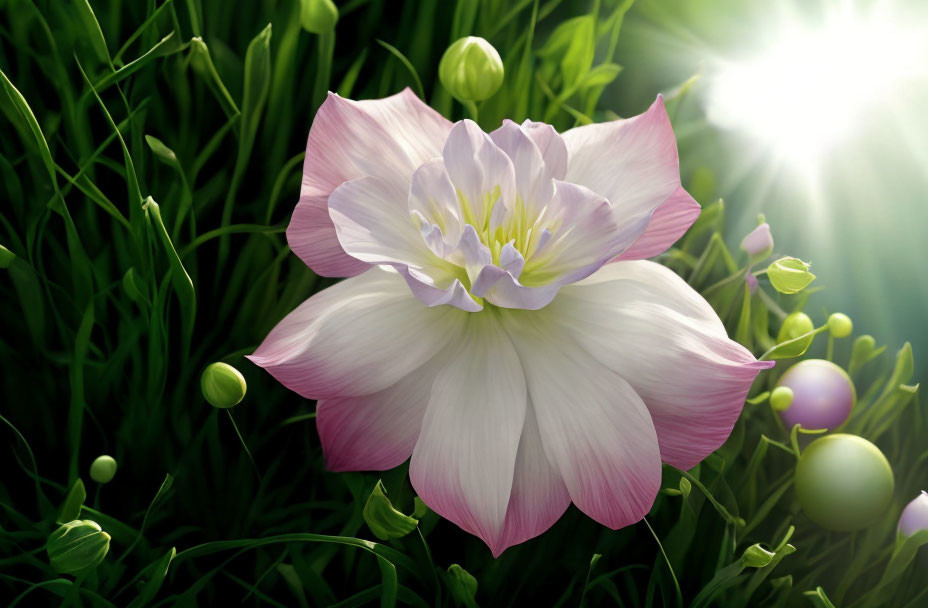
x: 823, y: 395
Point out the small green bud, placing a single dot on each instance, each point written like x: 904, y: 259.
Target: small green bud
x: 164, y: 154
x: 471, y: 69
x: 795, y: 325
x: 789, y: 275
x: 685, y: 487
x: 6, y: 257
x: 223, y: 386
x: 840, y: 325
x: 318, y: 16
x: 103, y: 469
x: 77, y: 547
x: 781, y: 398
x: 463, y: 586
x: 384, y: 521
x: 756, y: 556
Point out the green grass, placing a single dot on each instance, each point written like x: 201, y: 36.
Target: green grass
x: 150, y: 159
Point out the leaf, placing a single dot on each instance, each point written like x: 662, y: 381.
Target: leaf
x: 818, y: 598
x: 572, y: 46
x: 181, y: 281
x: 383, y: 520
x: 71, y: 507
x: 153, y: 584
x: 420, y: 91
x: 602, y: 75
x: 792, y: 348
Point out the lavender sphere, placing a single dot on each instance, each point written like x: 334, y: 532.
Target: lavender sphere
x: 915, y: 515
x: 823, y: 395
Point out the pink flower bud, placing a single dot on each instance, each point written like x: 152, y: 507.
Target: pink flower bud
x: 759, y: 242
x: 915, y: 515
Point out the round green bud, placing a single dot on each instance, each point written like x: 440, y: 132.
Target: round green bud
x: 318, y: 16
x: 77, y: 547
x: 781, y: 398
x: 103, y: 469
x: 222, y: 385
x: 840, y: 325
x: 471, y: 69
x: 795, y: 325
x: 843, y: 482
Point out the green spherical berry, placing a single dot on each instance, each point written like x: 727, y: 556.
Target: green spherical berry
x: 843, y: 482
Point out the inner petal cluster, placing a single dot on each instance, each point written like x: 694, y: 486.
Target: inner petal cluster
x: 490, y: 221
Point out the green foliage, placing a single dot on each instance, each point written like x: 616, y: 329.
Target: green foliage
x: 113, y: 304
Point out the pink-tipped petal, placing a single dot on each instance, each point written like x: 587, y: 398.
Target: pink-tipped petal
x: 595, y: 429
x: 375, y: 432
x: 551, y: 145
x: 385, y: 138
x: 632, y: 162
x: 667, y: 224
x: 356, y: 338
x: 462, y: 465
x: 539, y: 496
x: 644, y: 322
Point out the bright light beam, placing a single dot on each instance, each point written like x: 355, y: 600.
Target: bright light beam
x: 804, y: 94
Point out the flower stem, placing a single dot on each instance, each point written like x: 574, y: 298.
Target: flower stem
x: 245, y: 446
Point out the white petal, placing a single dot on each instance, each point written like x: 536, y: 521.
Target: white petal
x: 356, y: 338
x: 482, y: 174
x: 645, y: 323
x: 534, y: 180
x: 376, y: 432
x: 463, y: 462
x: 373, y: 224
x: 595, y: 429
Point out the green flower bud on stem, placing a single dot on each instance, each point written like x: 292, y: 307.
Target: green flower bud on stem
x: 223, y: 386
x: 789, y: 275
x: 103, y: 469
x: 318, y: 16
x: 471, y: 69
x: 840, y: 325
x: 77, y: 547
x: 781, y: 398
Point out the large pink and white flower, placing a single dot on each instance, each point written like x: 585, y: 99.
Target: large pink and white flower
x: 500, y: 326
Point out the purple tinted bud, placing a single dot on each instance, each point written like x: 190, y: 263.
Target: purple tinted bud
x: 751, y: 280
x: 823, y: 395
x: 759, y: 242
x: 915, y: 515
